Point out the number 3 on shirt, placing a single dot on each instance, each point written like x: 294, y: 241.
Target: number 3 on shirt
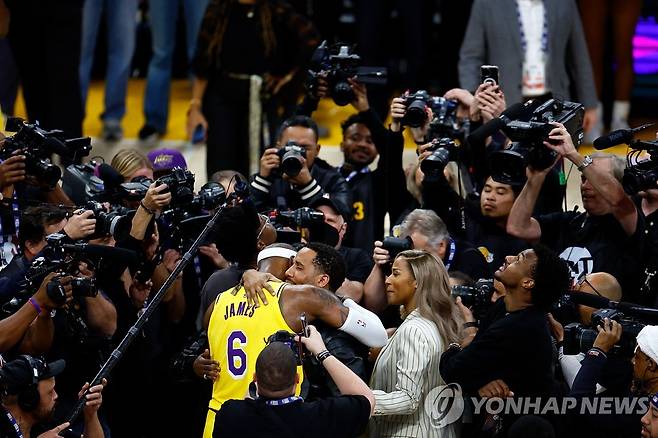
x: 236, y: 357
x: 358, y: 211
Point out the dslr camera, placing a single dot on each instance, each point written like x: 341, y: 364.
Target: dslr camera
x: 579, y: 338
x: 444, y: 122
x: 112, y: 223
x: 508, y: 166
x: 476, y: 297
x: 338, y: 63
x: 443, y: 151
x: 395, y: 245
x: 291, y: 156
x: 180, y: 182
x: 38, y: 145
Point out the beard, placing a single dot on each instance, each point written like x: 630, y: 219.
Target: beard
x: 45, y: 415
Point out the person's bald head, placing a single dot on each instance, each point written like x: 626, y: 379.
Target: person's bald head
x: 600, y: 284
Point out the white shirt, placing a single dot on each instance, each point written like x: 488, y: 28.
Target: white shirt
x: 534, y: 58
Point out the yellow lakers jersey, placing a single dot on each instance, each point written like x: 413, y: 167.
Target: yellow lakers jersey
x: 237, y: 333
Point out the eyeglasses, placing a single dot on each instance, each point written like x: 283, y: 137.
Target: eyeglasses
x: 583, y: 280
x: 266, y: 220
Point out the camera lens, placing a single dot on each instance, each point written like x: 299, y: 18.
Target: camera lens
x: 342, y: 93
x: 44, y: 171
x: 435, y: 162
x: 291, y: 163
x: 416, y: 114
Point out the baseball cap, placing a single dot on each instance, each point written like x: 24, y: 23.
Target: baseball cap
x: 166, y: 159
x: 17, y: 375
x: 326, y: 200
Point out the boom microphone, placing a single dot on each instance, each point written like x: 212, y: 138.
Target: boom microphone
x: 619, y: 136
x: 494, y: 125
x: 111, y: 178
x: 590, y: 300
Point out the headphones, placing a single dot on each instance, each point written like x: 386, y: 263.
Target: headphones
x: 28, y: 398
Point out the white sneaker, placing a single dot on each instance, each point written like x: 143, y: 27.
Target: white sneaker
x: 618, y: 124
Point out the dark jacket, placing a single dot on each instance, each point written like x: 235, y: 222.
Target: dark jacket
x: 274, y: 192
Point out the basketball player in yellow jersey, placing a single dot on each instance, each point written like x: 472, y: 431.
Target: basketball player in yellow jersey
x: 237, y: 330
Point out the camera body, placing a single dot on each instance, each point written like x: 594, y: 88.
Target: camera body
x: 291, y: 156
x: 180, y: 182
x: 508, y: 166
x: 443, y: 151
x: 477, y: 297
x: 38, y: 145
x: 444, y: 121
x: 288, y: 339
x: 395, y: 245
x: 643, y: 174
x: 107, y: 223
x: 579, y: 338
x: 210, y: 196
x: 338, y: 63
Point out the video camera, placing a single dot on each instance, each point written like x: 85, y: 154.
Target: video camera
x: 395, y: 245
x: 38, y: 146
x: 338, y: 63
x: 303, y: 217
x: 476, y: 297
x: 579, y: 338
x: 643, y: 174
x: 81, y: 184
x: 291, y: 158
x: 508, y: 166
x: 117, y: 222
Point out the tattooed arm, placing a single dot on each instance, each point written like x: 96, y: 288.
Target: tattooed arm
x: 320, y: 304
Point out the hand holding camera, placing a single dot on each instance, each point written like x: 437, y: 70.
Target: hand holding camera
x: 269, y: 161
x: 157, y: 197
x: 312, y: 341
x: 12, y: 171
x: 80, y: 225
x: 559, y: 140
x: 54, y: 291
x: 609, y: 335
x: 380, y: 255
x: 360, y: 102
x: 398, y: 110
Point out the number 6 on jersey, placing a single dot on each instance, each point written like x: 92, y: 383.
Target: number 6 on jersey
x: 236, y: 357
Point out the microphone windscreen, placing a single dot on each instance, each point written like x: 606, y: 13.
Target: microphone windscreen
x: 613, y: 139
x: 111, y: 178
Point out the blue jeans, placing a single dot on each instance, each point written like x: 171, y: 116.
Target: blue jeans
x: 163, y: 15
x: 121, y: 28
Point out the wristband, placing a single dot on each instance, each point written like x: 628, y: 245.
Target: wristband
x: 35, y: 305
x: 470, y: 324
x: 148, y: 210
x: 454, y: 345
x: 321, y: 356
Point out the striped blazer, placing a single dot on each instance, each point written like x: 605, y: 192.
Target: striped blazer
x: 406, y: 370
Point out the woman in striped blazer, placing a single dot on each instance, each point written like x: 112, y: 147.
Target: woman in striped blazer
x: 407, y: 368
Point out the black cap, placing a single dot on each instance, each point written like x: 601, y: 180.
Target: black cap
x: 326, y: 200
x: 19, y: 374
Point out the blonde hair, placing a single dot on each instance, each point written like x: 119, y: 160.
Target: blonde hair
x: 433, y: 298
x: 129, y: 161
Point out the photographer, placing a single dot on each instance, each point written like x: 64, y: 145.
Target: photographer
x: 515, y: 343
x: 427, y: 232
x: 30, y: 333
x: 275, y: 189
x: 607, y: 237
x: 29, y: 400
x: 277, y: 412
x: 376, y: 192
x: 645, y: 379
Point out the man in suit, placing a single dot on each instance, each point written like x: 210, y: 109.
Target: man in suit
x: 539, y: 47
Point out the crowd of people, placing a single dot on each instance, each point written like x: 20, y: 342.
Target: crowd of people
x: 290, y: 296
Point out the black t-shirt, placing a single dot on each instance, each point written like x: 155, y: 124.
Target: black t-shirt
x: 358, y: 263
x: 335, y: 417
x: 468, y: 260
x: 516, y: 347
x: 648, y: 295
x: 597, y: 244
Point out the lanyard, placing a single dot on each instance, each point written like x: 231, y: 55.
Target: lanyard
x: 544, y: 33
x: 15, y: 215
x: 354, y: 172
x: 451, y: 254
x: 14, y: 424
x: 282, y: 401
